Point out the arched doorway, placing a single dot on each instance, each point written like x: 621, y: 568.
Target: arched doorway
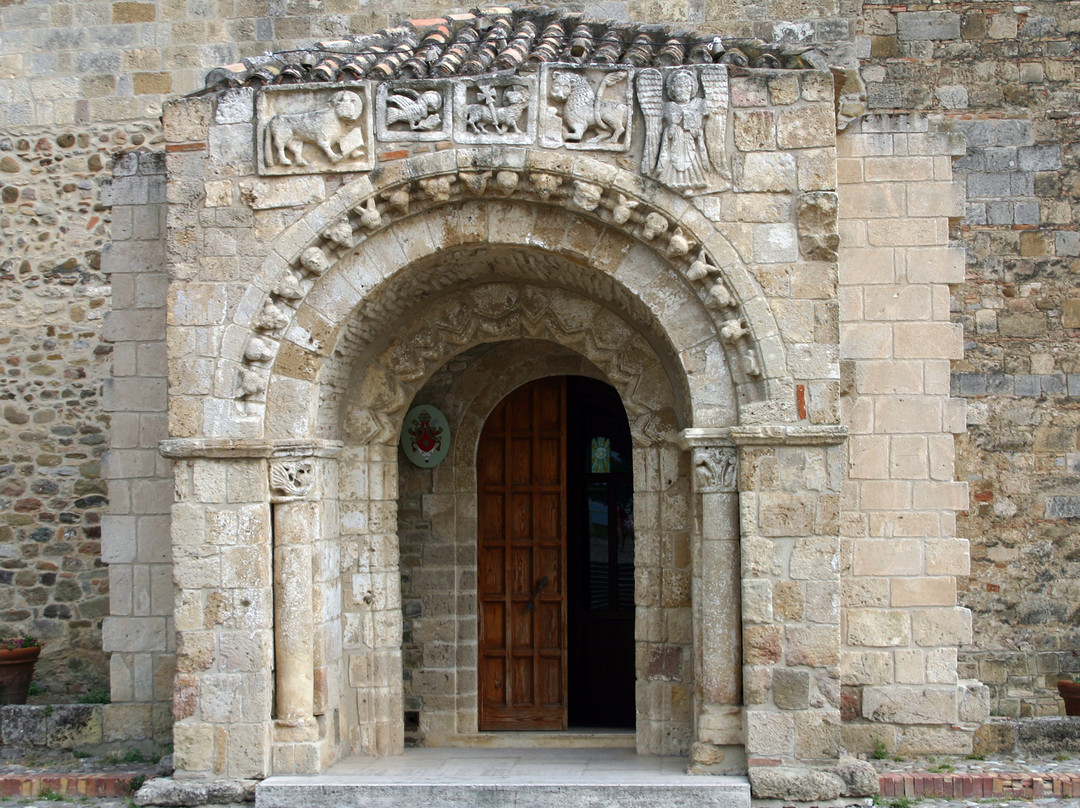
x: 556, y: 559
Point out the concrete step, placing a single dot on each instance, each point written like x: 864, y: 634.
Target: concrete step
x: 493, y: 778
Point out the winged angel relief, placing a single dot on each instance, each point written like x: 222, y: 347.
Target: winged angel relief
x: 685, y: 125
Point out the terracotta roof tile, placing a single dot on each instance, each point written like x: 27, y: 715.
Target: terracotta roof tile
x: 504, y: 39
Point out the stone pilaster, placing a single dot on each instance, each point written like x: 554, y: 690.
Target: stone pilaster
x: 235, y: 617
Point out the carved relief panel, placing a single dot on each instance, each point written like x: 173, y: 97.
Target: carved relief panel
x: 495, y: 109
x: 306, y: 130
x: 685, y: 110
x: 413, y: 110
x: 586, y: 108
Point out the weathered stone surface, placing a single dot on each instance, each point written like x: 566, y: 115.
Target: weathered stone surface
x: 801, y: 785
x: 860, y: 777
x: 166, y: 791
x: 910, y: 705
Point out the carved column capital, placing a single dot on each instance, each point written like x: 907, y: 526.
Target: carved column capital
x: 292, y: 479
x: 716, y: 470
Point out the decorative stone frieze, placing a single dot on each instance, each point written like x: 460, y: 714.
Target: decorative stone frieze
x: 414, y: 110
x: 496, y: 109
x: 586, y: 108
x: 304, y: 130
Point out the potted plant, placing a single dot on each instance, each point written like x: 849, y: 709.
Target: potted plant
x: 17, y: 657
x: 1070, y: 692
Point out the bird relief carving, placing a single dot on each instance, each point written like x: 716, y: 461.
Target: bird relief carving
x: 685, y: 111
x: 495, y: 110
x: 307, y: 131
x: 413, y: 111
x: 587, y: 108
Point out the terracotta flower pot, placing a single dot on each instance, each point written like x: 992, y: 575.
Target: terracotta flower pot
x: 1070, y: 692
x: 16, y: 670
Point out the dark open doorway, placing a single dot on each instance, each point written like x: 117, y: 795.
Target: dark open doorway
x: 600, y: 533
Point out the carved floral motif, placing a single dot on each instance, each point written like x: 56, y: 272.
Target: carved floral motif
x: 715, y: 470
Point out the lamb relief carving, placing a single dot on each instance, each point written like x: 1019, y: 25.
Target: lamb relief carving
x: 685, y: 112
x: 495, y: 110
x: 306, y: 131
x: 590, y: 109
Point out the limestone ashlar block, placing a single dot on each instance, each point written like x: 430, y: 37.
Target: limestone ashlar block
x: 783, y: 514
x: 899, y: 232
x: 948, y: 556
x: 864, y: 340
x: 878, y: 627
x: 817, y: 734
x: 770, y: 733
x: 186, y: 120
x: 816, y: 646
x: 132, y: 634
x: 806, y: 127
x: 904, y: 168
x: 766, y: 172
x: 919, y: 591
x: 941, y: 626
x: 934, y: 740
x: 866, y: 668
x: 900, y: 704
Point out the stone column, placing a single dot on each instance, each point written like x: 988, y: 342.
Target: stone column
x: 292, y: 483
x: 718, y: 731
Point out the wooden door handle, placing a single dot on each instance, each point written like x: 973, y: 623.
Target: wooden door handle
x: 539, y: 585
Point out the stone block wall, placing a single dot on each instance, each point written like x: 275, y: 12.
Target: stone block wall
x: 1005, y: 76
x: 901, y: 557
x: 136, y: 544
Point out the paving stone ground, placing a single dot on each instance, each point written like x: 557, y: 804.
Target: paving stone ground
x: 997, y: 765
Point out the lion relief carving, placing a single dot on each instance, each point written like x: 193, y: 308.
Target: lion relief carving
x: 334, y: 128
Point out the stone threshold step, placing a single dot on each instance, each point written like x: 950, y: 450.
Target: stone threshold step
x: 541, y: 740
x: 114, y: 784
x: 279, y: 793
x: 1006, y: 785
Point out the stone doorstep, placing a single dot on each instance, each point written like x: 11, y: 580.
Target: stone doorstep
x: 963, y: 785
x: 334, y: 795
x: 114, y: 784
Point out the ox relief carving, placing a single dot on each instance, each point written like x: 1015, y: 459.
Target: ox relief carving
x: 307, y: 131
x: 586, y: 108
x: 716, y: 470
x: 291, y: 479
x: 413, y: 110
x: 685, y: 112
x: 495, y: 110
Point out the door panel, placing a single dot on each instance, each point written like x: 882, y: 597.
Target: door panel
x: 521, y: 476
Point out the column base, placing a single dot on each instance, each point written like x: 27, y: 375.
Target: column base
x: 296, y: 730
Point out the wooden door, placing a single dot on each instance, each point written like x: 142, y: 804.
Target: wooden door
x: 521, y: 565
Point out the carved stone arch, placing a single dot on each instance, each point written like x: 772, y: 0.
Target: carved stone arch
x: 326, y: 264
x: 495, y: 312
